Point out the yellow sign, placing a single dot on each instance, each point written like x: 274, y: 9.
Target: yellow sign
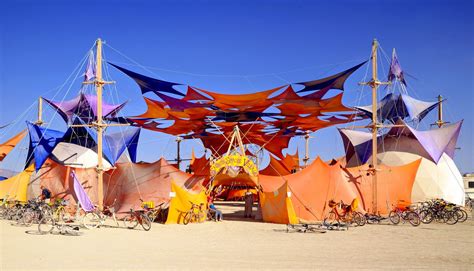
x: 234, y: 160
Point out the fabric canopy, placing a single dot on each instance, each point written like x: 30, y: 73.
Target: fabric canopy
x: 430, y: 144
x: 312, y: 188
x: 394, y: 107
x: 204, y: 114
x: 7, y: 146
x: 114, y: 143
x: 42, y: 143
x: 84, y: 106
x: 181, y: 203
x: 15, y: 188
x: 81, y: 194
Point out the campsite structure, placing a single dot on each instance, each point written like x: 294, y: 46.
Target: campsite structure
x: 227, y: 124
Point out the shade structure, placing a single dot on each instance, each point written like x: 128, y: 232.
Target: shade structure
x: 84, y: 106
x: 433, y: 180
x: 181, y: 202
x: 271, y: 116
x: 130, y: 183
x: 7, y: 146
x: 312, y: 188
x: 430, y: 144
x: 15, y: 188
x: 58, y: 179
x: 394, y: 107
x: 76, y: 156
x: 277, y: 206
x: 42, y: 143
x: 394, y: 184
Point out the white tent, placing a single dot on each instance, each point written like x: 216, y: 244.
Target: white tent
x: 76, y: 156
x: 442, y: 180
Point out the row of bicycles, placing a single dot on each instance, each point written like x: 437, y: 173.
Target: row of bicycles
x: 342, y: 216
x: 58, y: 216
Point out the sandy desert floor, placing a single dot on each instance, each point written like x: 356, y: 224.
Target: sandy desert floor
x: 240, y: 244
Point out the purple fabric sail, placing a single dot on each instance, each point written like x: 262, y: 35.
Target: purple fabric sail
x: 85, y: 107
x: 439, y: 141
x: 393, y: 107
x: 395, y: 70
x: 433, y: 143
x: 179, y: 105
x: 81, y: 195
x: 90, y: 69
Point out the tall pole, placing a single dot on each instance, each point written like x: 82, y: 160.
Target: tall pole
x: 178, y: 154
x: 374, y: 85
x: 40, y: 112
x: 306, y: 151
x: 440, y: 121
x: 99, y: 83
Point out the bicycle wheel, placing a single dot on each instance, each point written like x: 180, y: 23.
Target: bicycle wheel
x: 426, y: 216
x: 394, y: 217
x: 330, y: 221
x: 360, y: 219
x: 450, y: 218
x: 28, y: 217
x: 46, y: 225
x: 91, y: 220
x: 187, y: 217
x: 146, y: 223
x: 462, y: 215
x: 413, y: 218
x: 64, y: 216
x: 130, y: 221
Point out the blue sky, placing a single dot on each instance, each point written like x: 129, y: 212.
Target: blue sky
x: 238, y: 47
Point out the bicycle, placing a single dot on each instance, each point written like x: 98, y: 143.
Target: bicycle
x: 304, y: 228
x: 156, y: 214
x: 195, y: 214
x: 47, y: 224
x: 96, y: 218
x: 403, y: 212
x: 134, y: 218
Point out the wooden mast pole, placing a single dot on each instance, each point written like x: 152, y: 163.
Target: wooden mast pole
x: 374, y: 85
x: 440, y: 121
x: 40, y: 112
x: 306, y: 152
x: 99, y: 83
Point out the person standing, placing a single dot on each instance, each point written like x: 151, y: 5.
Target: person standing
x: 248, y: 203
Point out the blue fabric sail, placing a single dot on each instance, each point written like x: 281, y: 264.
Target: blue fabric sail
x: 394, y: 107
x: 334, y: 81
x: 42, y: 143
x: 116, y: 143
x: 148, y: 84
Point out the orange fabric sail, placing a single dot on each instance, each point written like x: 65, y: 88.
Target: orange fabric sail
x: 312, y: 188
x: 241, y: 99
x: 9, y: 145
x: 393, y: 184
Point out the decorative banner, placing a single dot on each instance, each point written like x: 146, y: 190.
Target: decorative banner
x: 231, y: 162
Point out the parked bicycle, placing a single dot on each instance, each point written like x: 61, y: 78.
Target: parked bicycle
x: 197, y: 213
x: 48, y: 224
x: 96, y: 218
x: 402, y: 212
x: 158, y: 213
x: 343, y: 215
x: 134, y: 218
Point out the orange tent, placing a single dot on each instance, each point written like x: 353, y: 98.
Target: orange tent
x: 312, y: 187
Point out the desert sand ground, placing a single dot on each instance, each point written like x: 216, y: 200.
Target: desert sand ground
x: 237, y: 243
